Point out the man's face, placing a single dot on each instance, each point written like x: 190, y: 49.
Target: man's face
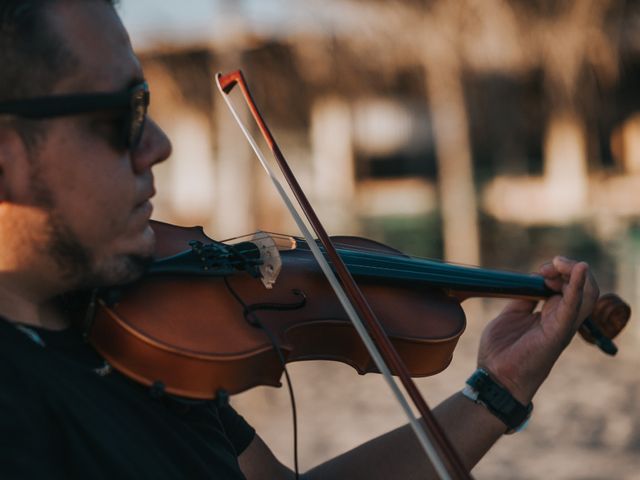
x: 93, y: 193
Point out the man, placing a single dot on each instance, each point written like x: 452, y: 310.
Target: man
x: 75, y: 184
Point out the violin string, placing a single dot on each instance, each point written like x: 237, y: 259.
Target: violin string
x: 436, y: 273
x: 428, y: 271
x: 294, y: 411
x: 380, y: 255
x: 441, y: 273
x: 377, y: 255
x: 460, y: 283
x: 374, y: 352
x: 412, y: 258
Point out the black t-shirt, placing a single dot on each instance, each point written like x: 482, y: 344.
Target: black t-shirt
x: 60, y: 419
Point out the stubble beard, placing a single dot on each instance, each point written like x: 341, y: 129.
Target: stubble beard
x: 78, y: 267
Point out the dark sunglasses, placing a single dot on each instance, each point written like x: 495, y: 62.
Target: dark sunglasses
x: 134, y: 102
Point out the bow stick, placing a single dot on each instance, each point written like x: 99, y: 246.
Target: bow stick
x: 431, y: 437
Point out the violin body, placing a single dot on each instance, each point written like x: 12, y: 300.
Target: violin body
x: 192, y: 336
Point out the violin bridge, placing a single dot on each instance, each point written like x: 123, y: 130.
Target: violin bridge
x: 270, y: 248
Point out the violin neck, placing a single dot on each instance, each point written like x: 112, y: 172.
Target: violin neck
x: 460, y: 281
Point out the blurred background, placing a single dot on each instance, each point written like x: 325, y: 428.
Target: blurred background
x: 486, y: 132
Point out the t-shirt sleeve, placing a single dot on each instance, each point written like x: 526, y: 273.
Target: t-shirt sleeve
x: 239, y: 432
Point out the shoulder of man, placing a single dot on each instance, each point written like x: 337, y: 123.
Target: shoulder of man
x: 25, y: 450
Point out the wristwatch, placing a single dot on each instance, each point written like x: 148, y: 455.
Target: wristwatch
x: 482, y: 389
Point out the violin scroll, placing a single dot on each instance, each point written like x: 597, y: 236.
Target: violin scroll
x: 610, y: 315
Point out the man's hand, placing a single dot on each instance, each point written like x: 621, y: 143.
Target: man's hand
x: 519, y: 347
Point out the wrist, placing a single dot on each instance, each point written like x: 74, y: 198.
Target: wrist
x: 484, y: 390
x: 521, y: 386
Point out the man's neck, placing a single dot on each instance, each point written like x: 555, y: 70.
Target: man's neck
x: 20, y: 307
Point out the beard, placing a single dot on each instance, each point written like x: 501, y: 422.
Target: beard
x: 77, y: 263
x: 78, y: 266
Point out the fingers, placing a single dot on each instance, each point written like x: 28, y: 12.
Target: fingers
x: 562, y: 270
x: 548, y: 270
x: 564, y: 265
x: 557, y: 272
x: 590, y: 293
x: 552, y: 276
x: 577, y: 285
x: 573, y: 290
x: 579, y: 294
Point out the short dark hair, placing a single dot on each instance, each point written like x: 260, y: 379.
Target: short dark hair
x: 34, y: 58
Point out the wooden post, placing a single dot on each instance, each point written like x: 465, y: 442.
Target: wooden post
x: 455, y: 169
x: 191, y: 171
x: 565, y: 163
x: 333, y: 164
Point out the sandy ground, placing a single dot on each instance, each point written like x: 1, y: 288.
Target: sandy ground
x: 586, y: 422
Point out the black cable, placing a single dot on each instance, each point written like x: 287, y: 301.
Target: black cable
x: 255, y: 322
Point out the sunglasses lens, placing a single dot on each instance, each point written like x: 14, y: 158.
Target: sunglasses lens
x: 139, y: 105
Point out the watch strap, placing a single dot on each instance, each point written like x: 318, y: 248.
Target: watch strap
x: 481, y: 388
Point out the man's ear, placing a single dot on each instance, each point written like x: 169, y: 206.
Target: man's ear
x: 14, y: 163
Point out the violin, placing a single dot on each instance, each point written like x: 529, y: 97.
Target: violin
x: 205, y: 347
x: 209, y: 317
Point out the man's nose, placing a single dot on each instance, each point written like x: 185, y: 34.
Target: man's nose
x: 154, y: 147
